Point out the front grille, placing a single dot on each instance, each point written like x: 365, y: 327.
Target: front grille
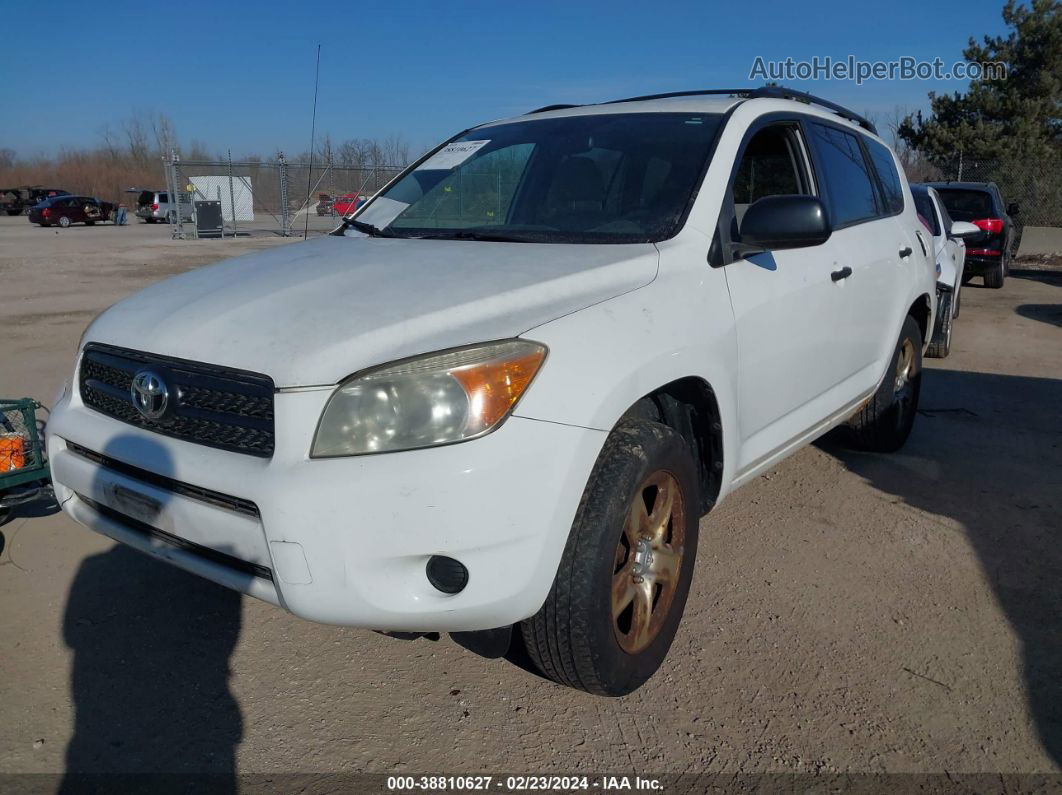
x: 209, y: 405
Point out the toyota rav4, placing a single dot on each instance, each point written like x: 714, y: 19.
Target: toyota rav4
x: 501, y: 397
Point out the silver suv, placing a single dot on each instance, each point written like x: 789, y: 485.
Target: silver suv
x: 156, y: 206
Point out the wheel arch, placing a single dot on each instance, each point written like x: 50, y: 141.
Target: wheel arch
x: 689, y: 406
x: 921, y: 310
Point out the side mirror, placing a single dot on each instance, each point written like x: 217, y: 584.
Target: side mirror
x: 963, y: 229
x: 780, y: 222
x: 1013, y: 208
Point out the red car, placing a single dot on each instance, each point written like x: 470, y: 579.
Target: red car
x: 346, y: 204
x: 65, y: 210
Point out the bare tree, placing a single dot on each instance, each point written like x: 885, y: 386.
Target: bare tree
x: 165, y: 134
x: 135, y: 129
x: 914, y: 164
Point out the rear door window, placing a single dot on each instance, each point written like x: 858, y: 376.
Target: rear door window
x: 847, y: 175
x: 163, y: 198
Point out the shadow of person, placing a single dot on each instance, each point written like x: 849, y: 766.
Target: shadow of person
x: 1045, y: 313
x: 1051, y: 277
x: 987, y: 451
x: 150, y: 681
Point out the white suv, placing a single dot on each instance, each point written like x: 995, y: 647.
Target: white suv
x: 505, y: 394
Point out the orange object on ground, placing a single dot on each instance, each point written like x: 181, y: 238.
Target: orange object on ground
x: 12, y: 452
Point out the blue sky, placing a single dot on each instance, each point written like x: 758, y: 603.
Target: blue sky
x: 426, y: 70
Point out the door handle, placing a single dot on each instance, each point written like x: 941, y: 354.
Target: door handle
x: 843, y: 273
x: 905, y: 252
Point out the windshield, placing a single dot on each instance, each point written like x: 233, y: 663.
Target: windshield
x: 616, y: 178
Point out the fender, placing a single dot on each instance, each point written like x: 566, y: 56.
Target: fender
x: 603, y: 359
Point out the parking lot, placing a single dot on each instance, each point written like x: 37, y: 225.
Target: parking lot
x: 850, y: 612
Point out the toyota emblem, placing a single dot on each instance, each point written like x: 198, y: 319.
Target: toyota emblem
x: 151, y: 397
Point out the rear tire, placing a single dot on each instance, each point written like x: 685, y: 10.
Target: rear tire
x: 885, y: 422
x: 940, y: 346
x: 621, y: 586
x: 995, y: 275
x: 64, y: 221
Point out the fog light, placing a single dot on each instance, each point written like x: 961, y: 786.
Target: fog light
x: 446, y: 574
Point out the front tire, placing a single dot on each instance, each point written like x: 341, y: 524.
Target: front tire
x: 885, y: 422
x: 622, y: 582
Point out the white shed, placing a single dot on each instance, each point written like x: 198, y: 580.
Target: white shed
x: 239, y: 204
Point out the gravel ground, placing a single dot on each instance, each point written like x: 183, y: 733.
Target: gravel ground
x: 851, y: 613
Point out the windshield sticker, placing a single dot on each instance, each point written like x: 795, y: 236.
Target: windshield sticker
x: 452, y: 155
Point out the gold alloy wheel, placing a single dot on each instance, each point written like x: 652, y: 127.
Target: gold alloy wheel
x: 903, y: 390
x: 904, y: 366
x: 648, y: 562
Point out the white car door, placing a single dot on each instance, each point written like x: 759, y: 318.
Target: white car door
x: 789, y: 311
x: 951, y: 254
x: 866, y: 200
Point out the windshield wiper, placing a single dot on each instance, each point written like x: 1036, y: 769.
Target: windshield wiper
x: 369, y: 229
x: 472, y: 234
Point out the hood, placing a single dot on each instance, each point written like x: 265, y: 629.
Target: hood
x: 313, y: 313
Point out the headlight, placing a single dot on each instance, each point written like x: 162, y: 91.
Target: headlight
x: 428, y: 400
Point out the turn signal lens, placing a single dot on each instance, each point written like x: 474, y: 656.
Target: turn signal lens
x: 494, y: 387
x: 427, y: 401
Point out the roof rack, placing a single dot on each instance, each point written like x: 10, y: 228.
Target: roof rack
x: 544, y: 108
x: 763, y: 92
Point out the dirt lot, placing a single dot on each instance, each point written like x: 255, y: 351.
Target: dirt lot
x: 850, y: 613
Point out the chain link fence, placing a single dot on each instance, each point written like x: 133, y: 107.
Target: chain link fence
x: 1036, y: 186
x: 270, y: 197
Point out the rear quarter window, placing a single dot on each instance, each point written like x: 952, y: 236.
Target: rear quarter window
x: 885, y: 165
x: 924, y: 206
x: 847, y: 175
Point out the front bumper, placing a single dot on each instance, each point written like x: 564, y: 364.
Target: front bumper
x: 344, y: 540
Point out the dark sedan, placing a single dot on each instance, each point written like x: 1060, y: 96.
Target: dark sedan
x: 65, y: 210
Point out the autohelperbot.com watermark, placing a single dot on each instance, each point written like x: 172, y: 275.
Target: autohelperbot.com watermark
x: 851, y: 68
